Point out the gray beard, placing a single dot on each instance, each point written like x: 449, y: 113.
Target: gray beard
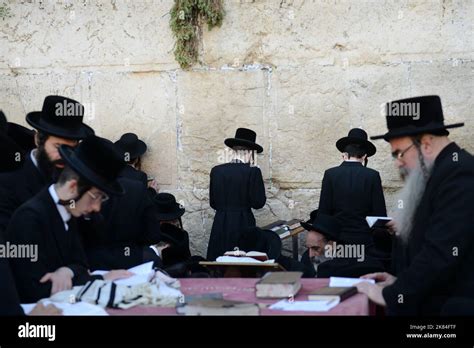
x: 317, y: 260
x: 409, y: 198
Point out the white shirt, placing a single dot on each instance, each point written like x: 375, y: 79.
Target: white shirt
x: 65, y: 215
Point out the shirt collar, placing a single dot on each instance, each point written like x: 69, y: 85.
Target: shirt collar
x: 65, y: 215
x: 33, y: 157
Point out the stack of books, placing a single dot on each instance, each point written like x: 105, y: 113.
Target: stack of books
x: 284, y: 228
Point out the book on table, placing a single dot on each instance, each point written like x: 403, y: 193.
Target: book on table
x: 279, y: 284
x: 332, y: 293
x: 217, y: 306
x: 257, y: 255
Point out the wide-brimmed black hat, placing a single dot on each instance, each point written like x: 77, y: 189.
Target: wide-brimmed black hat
x: 61, y: 117
x: 325, y: 224
x: 97, y: 161
x: 357, y: 136
x: 166, y: 206
x: 130, y: 145
x: 413, y: 116
x: 257, y: 239
x: 244, y: 137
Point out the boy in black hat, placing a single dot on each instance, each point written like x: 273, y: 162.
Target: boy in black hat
x: 49, y: 221
x: 235, y: 188
x: 58, y: 123
x: 434, y: 253
x: 351, y: 191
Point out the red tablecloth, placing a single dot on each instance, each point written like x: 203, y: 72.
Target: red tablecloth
x: 243, y: 289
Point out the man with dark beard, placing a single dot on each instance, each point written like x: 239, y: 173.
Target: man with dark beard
x: 58, y: 123
x: 434, y: 221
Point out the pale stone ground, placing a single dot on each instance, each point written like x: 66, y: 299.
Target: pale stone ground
x: 300, y: 73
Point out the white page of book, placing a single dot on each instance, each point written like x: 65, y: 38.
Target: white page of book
x: 306, y: 306
x: 347, y: 282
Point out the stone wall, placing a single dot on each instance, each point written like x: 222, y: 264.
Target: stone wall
x: 300, y: 73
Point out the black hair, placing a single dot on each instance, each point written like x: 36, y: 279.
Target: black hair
x: 42, y: 137
x: 69, y: 174
x: 355, y: 150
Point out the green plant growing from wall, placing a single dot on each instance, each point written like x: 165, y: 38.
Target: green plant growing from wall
x: 187, y: 17
x: 5, y: 11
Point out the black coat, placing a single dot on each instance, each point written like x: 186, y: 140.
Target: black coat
x: 437, y: 261
x: 38, y: 222
x: 131, y: 173
x: 235, y: 188
x: 351, y: 192
x: 120, y: 235
x: 17, y: 187
x: 9, y: 300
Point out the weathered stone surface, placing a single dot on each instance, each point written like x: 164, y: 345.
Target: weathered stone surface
x: 300, y: 73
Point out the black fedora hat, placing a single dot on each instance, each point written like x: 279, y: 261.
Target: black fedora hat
x: 414, y: 116
x: 357, y: 136
x: 131, y: 145
x: 22, y: 136
x: 166, y: 206
x: 61, y: 117
x: 257, y: 239
x: 325, y: 224
x: 97, y: 161
x: 244, y: 137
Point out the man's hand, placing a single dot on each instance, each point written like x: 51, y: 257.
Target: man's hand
x: 61, y: 279
x: 41, y: 309
x: 117, y: 274
x: 382, y: 278
x: 373, y: 292
x: 392, y: 229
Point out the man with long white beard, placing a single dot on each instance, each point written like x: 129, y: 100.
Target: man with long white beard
x: 434, y: 221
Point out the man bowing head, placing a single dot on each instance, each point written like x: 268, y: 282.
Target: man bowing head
x: 48, y: 220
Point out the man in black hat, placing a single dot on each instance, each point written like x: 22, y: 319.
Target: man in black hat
x: 132, y: 149
x: 58, y: 123
x: 328, y: 255
x: 174, y: 246
x: 235, y: 188
x: 48, y: 220
x: 351, y: 191
x: 434, y: 220
x: 15, y: 141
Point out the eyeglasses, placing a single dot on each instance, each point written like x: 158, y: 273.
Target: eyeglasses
x: 398, y: 155
x: 103, y: 197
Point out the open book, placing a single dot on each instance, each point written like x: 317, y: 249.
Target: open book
x: 257, y: 255
x: 377, y: 221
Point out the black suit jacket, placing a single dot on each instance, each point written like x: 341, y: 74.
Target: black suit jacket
x: 351, y: 192
x: 131, y: 173
x: 120, y: 235
x: 437, y: 262
x: 9, y: 300
x: 38, y: 222
x: 235, y: 188
x: 17, y: 187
